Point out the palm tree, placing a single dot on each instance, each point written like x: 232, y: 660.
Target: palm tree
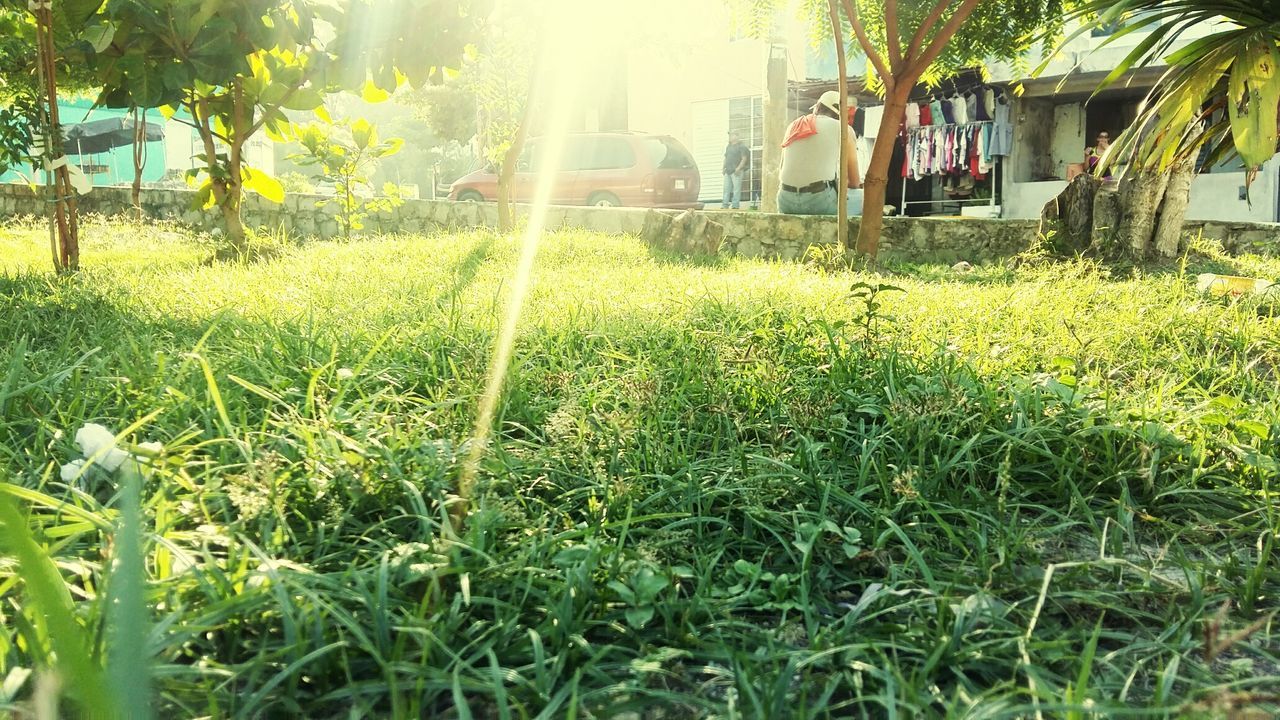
x: 1236, y: 67
x: 1218, y: 95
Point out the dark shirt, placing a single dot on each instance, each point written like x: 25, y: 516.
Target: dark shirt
x: 734, y: 155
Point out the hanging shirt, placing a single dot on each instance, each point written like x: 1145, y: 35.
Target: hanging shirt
x: 944, y: 107
x: 926, y: 114
x: 971, y: 104
x: 959, y: 110
x: 939, y: 117
x: 1002, y: 131
x: 913, y: 116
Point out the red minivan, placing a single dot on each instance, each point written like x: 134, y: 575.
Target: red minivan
x: 604, y: 169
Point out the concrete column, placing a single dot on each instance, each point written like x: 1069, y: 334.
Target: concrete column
x: 775, y: 125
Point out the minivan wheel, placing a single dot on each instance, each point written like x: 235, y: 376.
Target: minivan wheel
x: 604, y: 199
x: 470, y: 196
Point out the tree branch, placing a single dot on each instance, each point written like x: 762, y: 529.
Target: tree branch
x: 851, y: 9
x: 943, y: 36
x: 891, y: 34
x: 922, y: 32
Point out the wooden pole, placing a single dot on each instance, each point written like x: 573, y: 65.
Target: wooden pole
x: 842, y: 193
x: 775, y: 126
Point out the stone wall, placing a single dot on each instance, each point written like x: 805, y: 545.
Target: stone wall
x: 747, y: 234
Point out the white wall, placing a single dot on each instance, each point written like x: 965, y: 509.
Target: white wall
x: 680, y: 84
x: 1214, y: 196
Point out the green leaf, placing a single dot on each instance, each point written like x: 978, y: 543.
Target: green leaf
x: 99, y: 36
x: 640, y: 616
x: 363, y: 133
x: 1253, y: 91
x: 304, y: 99
x: 391, y: 147
x: 263, y: 184
x: 48, y: 596
x: 623, y: 591
x: 1260, y: 430
x: 146, y: 84
x: 373, y: 94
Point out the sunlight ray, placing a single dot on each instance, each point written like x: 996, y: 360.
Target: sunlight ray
x: 554, y: 90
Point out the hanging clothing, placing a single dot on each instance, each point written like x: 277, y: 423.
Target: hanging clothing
x: 959, y: 110
x: 1002, y: 130
x: 926, y: 114
x: 939, y: 117
x: 948, y: 113
x: 989, y: 102
x: 913, y: 116
x: 971, y: 107
x: 979, y: 106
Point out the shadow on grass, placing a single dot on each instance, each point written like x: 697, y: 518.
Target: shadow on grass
x: 465, y: 270
x: 670, y: 257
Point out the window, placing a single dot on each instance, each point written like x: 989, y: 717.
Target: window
x: 667, y: 154
x: 600, y: 153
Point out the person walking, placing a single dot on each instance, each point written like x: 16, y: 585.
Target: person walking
x: 811, y: 161
x: 736, y: 160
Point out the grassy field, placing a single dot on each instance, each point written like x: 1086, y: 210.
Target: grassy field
x: 732, y: 490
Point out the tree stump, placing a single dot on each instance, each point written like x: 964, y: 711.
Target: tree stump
x: 1139, y: 217
x: 1068, y: 218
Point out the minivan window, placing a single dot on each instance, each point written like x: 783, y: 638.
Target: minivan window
x: 602, y: 153
x: 667, y: 154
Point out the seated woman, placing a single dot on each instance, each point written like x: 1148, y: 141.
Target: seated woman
x: 1094, y: 154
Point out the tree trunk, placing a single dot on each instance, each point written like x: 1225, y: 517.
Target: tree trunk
x: 1173, y: 210
x: 139, y: 156
x: 875, y: 180
x: 236, y: 237
x: 226, y: 192
x: 1068, y: 218
x: 842, y: 179
x: 1140, y: 196
x: 506, y: 177
x: 63, y: 216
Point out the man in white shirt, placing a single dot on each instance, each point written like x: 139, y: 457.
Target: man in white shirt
x: 811, y: 161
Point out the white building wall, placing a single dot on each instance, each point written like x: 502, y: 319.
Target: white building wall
x: 682, y: 86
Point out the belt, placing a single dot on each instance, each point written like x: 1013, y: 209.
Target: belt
x: 812, y: 187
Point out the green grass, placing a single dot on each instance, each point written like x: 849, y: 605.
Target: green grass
x: 714, y: 492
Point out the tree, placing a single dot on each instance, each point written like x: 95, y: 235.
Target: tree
x: 496, y: 84
x: 1219, y: 97
x: 234, y: 67
x: 906, y: 42
x: 346, y: 154
x: 449, y: 110
x: 53, y: 31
